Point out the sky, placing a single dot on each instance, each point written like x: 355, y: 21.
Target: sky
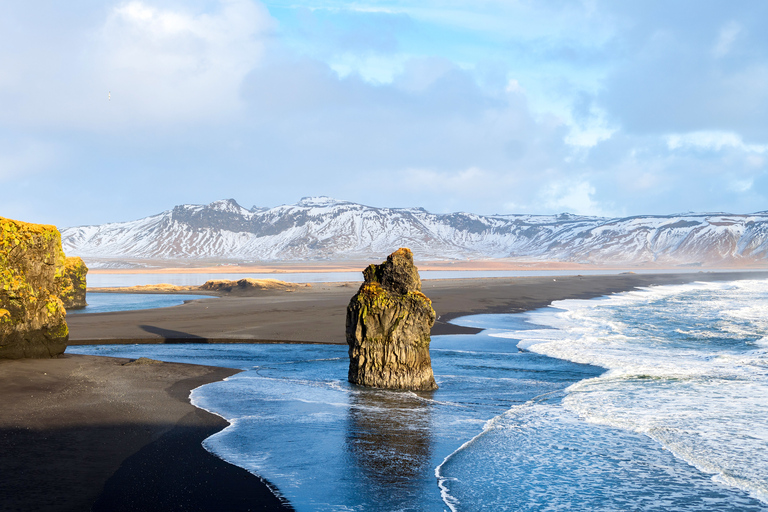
x: 115, y: 110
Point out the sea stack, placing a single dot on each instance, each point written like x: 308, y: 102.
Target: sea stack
x: 32, y: 314
x: 388, y: 325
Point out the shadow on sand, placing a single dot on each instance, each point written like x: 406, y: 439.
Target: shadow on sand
x: 171, y: 336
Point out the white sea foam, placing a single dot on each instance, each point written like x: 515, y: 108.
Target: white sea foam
x: 451, y: 501
x: 543, y: 457
x: 686, y: 367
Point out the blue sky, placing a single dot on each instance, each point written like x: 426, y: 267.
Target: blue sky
x: 112, y: 111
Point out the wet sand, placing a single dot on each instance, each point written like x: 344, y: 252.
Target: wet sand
x: 84, y: 433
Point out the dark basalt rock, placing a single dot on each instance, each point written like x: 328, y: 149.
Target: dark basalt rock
x: 388, y: 326
x: 72, y: 283
x: 32, y: 314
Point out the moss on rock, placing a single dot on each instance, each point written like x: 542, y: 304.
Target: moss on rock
x: 72, y: 283
x: 388, y: 326
x: 32, y: 314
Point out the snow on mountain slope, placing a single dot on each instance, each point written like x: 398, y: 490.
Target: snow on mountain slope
x: 322, y: 228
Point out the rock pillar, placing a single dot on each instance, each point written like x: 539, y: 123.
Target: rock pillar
x: 388, y: 325
x: 72, y: 283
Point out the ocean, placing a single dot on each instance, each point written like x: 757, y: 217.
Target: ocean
x: 654, y: 399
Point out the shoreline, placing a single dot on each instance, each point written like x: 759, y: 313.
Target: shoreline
x: 317, y: 314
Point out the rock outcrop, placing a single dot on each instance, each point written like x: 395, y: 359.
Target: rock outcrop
x: 248, y: 285
x: 388, y: 325
x: 72, y: 283
x: 32, y: 314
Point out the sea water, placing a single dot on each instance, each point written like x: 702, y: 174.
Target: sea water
x: 653, y: 399
x: 108, y: 302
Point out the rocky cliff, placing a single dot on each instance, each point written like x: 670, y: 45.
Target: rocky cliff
x: 72, y: 283
x: 32, y: 315
x: 388, y: 325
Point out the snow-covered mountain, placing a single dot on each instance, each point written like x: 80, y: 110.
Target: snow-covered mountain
x: 320, y: 228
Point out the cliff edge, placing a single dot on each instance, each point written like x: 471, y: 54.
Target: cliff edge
x: 388, y: 325
x: 32, y: 268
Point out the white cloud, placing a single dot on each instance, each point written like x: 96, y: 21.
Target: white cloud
x: 377, y: 69
x: 588, y: 136
x: 514, y: 87
x: 466, y: 106
x: 713, y: 141
x: 161, y: 66
x: 725, y: 40
x: 417, y: 74
x: 172, y: 65
x: 740, y: 186
x: 463, y: 181
x: 685, y: 73
x: 572, y: 197
x: 499, y: 17
x: 754, y: 161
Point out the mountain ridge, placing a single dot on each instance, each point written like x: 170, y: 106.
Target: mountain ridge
x: 322, y: 228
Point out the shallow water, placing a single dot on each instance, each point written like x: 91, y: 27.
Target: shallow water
x: 328, y: 445
x: 676, y: 423
x: 106, y: 302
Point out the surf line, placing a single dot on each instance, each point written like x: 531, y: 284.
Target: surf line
x: 451, y: 501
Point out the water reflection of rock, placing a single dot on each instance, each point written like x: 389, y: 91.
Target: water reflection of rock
x: 389, y: 442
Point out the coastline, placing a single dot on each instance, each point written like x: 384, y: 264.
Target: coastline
x: 317, y: 314
x: 85, y: 430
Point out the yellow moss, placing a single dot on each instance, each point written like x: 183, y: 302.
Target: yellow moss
x: 31, y: 265
x: 60, y: 331
x: 16, y: 238
x: 372, y: 296
x: 70, y: 278
x: 403, y: 252
x: 420, y: 297
x: 75, y: 266
x: 52, y: 308
x: 14, y: 233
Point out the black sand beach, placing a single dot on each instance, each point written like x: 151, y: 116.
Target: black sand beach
x: 316, y: 314
x: 82, y: 433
